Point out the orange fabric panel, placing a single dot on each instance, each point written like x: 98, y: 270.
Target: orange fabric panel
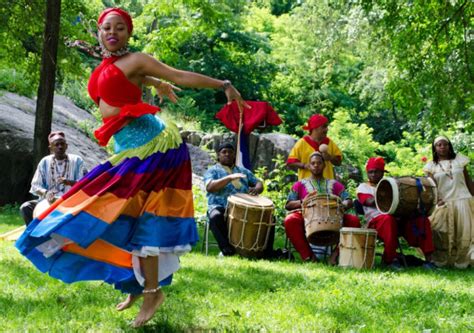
x: 167, y: 202
x: 76, y: 203
x: 135, y: 205
x: 50, y: 208
x: 171, y: 202
x: 102, y: 251
x: 106, y: 207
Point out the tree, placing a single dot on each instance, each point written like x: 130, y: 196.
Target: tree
x: 44, y: 103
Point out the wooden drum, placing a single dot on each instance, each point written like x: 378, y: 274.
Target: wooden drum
x: 250, y: 221
x: 357, y: 248
x: 405, y: 196
x: 323, y: 216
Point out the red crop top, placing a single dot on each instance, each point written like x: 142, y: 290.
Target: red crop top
x: 109, y: 83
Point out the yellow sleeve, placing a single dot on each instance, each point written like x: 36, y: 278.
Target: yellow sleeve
x: 296, y: 153
x: 333, y: 149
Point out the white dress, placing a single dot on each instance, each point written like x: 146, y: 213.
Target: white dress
x: 452, y: 223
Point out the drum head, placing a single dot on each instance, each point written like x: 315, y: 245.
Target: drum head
x: 387, y: 196
x: 41, y: 207
x: 250, y: 200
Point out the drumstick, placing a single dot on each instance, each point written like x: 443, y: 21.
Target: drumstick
x: 241, y: 115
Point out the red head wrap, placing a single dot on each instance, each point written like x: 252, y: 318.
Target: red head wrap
x: 315, y: 121
x: 117, y: 11
x: 375, y: 163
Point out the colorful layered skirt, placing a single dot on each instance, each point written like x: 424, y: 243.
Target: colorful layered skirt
x: 138, y: 203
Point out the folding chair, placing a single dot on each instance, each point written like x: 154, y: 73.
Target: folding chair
x: 205, y: 239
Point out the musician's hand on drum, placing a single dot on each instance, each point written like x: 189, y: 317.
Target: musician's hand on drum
x: 257, y: 189
x: 347, y: 204
x: 50, y: 196
x: 253, y: 191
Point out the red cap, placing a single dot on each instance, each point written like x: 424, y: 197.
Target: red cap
x: 315, y: 121
x: 375, y: 163
x: 57, y: 135
x: 117, y: 11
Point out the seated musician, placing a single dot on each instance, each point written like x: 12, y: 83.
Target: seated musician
x: 416, y: 230
x: 54, y: 176
x: 222, y: 180
x: 294, y: 221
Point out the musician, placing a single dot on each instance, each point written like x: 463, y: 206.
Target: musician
x: 222, y: 180
x: 317, y: 140
x: 416, y: 230
x: 54, y: 176
x: 294, y: 221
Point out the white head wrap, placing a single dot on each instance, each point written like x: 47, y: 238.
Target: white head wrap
x: 440, y: 138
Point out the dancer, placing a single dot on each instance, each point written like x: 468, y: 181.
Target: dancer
x: 127, y: 221
x: 453, y: 218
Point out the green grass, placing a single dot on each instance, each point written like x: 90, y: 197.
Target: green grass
x: 234, y: 294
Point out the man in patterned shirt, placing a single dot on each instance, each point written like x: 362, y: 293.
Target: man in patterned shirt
x: 54, y: 176
x: 294, y: 221
x: 222, y: 180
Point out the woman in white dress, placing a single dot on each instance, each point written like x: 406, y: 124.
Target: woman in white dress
x: 452, y: 221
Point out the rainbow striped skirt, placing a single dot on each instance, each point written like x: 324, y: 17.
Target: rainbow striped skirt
x: 138, y: 203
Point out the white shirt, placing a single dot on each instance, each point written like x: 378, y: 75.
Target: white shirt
x: 46, y: 178
x: 449, y: 177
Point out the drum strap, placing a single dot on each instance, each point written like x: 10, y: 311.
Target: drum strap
x: 421, y: 207
x: 420, y: 189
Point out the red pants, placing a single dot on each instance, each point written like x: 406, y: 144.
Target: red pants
x: 417, y: 232
x: 294, y: 227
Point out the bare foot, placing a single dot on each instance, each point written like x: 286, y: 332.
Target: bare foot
x: 129, y: 301
x: 151, y: 303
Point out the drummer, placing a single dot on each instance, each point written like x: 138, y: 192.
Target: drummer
x: 316, y: 140
x: 416, y: 230
x: 54, y: 176
x: 222, y: 180
x: 294, y: 221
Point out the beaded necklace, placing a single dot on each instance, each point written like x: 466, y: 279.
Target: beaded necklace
x: 449, y: 170
x: 56, y: 174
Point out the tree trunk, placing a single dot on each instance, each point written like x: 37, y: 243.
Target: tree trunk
x: 44, y: 103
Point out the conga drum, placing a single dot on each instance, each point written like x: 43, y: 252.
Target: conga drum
x: 323, y: 215
x: 405, y: 196
x: 250, y: 221
x: 357, y: 248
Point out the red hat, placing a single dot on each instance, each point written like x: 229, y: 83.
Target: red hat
x: 57, y: 135
x: 117, y: 11
x: 375, y: 163
x: 315, y: 121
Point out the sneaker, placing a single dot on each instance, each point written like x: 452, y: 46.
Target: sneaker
x: 429, y: 266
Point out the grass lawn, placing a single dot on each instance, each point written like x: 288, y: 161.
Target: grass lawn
x: 234, y: 294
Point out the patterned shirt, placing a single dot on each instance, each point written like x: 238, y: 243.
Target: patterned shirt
x: 49, y: 170
x: 302, y: 188
x: 365, y: 191
x: 219, y: 198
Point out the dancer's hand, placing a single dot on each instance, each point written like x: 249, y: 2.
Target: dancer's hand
x: 233, y: 94
x: 167, y: 89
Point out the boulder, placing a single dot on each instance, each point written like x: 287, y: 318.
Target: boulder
x: 17, y: 119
